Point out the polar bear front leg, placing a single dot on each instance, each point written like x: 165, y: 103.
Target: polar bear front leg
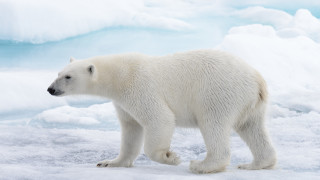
x: 216, y: 136
x: 158, y: 134
x: 131, y: 142
x: 157, y: 145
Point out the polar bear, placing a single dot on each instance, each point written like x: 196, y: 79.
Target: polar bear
x: 206, y: 89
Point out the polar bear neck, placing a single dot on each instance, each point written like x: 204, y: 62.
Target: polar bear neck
x: 115, y: 74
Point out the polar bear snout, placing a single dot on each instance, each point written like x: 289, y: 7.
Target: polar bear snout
x: 51, y: 90
x: 54, y: 91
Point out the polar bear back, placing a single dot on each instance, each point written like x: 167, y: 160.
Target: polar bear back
x: 196, y: 82
x: 191, y: 84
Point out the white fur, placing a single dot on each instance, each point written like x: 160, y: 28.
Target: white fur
x: 205, y: 89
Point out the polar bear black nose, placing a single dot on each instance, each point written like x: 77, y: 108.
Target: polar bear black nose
x: 51, y: 90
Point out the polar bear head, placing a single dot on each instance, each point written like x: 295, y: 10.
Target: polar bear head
x: 75, y: 78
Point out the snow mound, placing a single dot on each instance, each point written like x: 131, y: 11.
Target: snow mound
x: 99, y: 116
x: 289, y: 65
x: 259, y: 14
x: 303, y: 23
x: 25, y: 90
x: 39, y: 21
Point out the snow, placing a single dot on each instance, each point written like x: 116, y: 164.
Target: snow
x: 20, y: 93
x: 289, y: 65
x: 265, y: 15
x: 45, y: 137
x: 99, y: 116
x: 26, y: 90
x: 303, y: 23
x: 29, y: 152
x: 39, y: 21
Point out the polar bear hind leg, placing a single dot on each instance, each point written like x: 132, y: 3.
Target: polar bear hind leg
x: 253, y: 132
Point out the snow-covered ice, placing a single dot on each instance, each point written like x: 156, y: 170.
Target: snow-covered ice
x: 45, y: 137
x: 29, y: 152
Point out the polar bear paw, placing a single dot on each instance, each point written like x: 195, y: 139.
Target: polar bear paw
x: 256, y: 167
x: 164, y: 157
x: 248, y: 167
x: 268, y: 163
x: 171, y: 158
x: 202, y: 167
x: 113, y: 163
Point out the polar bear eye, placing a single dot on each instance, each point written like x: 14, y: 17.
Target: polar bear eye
x: 67, y: 77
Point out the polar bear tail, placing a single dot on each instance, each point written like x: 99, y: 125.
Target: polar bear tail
x: 263, y: 92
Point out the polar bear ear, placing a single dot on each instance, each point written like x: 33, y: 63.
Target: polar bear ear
x: 93, y: 72
x: 91, y: 69
x: 72, y: 59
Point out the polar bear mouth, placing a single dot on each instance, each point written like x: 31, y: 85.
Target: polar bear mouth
x: 57, y: 93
